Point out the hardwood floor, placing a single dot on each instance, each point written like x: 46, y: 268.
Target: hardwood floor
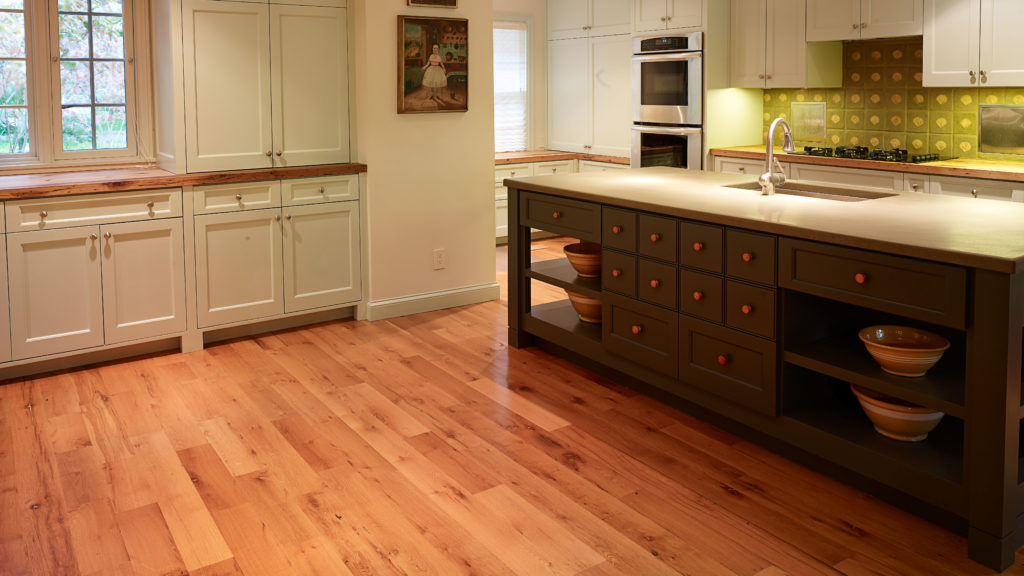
x: 421, y: 445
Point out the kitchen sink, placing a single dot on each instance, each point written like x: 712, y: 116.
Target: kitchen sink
x: 817, y: 191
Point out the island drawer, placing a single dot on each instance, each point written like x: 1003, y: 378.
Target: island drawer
x: 657, y: 237
x: 640, y: 332
x: 750, y: 256
x: 701, y: 246
x: 618, y: 272
x: 561, y: 215
x: 750, y: 308
x: 656, y: 283
x: 92, y: 209
x: 701, y: 294
x: 618, y: 229
x: 733, y: 365
x: 927, y: 291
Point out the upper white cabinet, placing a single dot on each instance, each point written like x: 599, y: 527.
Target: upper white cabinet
x: 264, y: 85
x: 769, y: 51
x: 856, y: 19
x: 654, y: 15
x: 586, y: 18
x: 973, y: 43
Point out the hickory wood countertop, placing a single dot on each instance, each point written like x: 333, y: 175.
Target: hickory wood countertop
x: 961, y: 167
x: 501, y: 158
x: 145, y: 177
x: 985, y: 234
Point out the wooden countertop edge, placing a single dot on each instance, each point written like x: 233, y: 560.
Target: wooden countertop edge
x: 89, y: 182
x: 930, y: 169
x: 528, y: 156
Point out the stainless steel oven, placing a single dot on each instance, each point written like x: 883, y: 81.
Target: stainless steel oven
x: 668, y: 79
x: 674, y: 146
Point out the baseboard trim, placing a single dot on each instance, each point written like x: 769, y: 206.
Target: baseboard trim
x: 431, y: 301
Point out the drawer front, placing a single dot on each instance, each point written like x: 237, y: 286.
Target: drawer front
x: 735, y: 366
x: 618, y: 272
x: 618, y: 229
x: 645, y: 334
x: 744, y: 166
x: 657, y: 237
x: 701, y: 246
x: 701, y: 295
x: 233, y: 197
x: 918, y: 289
x: 91, y: 209
x: 656, y: 283
x: 556, y: 167
x: 750, y: 256
x: 319, y: 190
x: 569, y: 217
x: 750, y: 308
x: 511, y: 171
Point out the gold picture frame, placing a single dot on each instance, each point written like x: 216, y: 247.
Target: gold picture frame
x: 434, y: 3
x: 433, y: 65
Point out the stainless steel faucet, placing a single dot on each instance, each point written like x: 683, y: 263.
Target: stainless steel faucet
x: 770, y: 179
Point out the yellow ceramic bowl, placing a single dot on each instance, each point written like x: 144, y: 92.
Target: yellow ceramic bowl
x: 588, y: 308
x: 903, y: 351
x: 585, y: 257
x: 895, y: 418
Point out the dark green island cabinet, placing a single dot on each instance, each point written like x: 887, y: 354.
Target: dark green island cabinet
x: 746, y: 308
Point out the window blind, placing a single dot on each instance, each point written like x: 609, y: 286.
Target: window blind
x: 511, y: 89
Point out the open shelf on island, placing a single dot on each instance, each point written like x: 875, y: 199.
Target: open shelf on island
x: 560, y: 273
x: 559, y: 323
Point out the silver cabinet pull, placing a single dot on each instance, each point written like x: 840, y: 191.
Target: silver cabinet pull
x: 268, y: 153
x: 93, y: 236
x: 108, y: 235
x: 974, y: 192
x: 914, y: 186
x: 278, y: 152
x: 150, y: 204
x: 238, y: 197
x: 43, y: 214
x: 323, y: 190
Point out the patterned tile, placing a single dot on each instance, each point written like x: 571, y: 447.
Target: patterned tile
x: 965, y: 123
x: 965, y: 146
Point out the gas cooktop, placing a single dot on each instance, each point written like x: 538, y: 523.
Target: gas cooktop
x: 878, y: 154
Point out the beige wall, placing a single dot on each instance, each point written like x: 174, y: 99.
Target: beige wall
x: 536, y: 11
x: 431, y: 176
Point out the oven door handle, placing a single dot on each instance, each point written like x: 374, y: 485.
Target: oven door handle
x: 667, y: 57
x: 669, y: 131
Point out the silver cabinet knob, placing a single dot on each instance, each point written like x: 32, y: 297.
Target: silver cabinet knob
x: 93, y: 236
x: 984, y: 77
x: 323, y: 190
x: 268, y: 153
x: 43, y: 214
x: 278, y: 153
x: 974, y: 192
x: 238, y: 197
x: 150, y: 204
x: 108, y: 235
x: 914, y: 186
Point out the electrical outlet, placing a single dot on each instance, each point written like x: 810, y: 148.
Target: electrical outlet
x: 440, y: 258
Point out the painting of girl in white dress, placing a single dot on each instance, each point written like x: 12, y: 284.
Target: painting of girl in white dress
x: 435, y: 65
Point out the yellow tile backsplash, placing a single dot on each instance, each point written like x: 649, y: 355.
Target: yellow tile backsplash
x: 882, y: 104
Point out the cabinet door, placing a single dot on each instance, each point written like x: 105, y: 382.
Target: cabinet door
x: 5, y: 317
x: 238, y: 266
x: 610, y: 17
x: 568, y: 19
x: 309, y: 79
x: 650, y: 15
x: 974, y: 188
x: 321, y: 255
x: 611, y: 96
x: 227, y: 85
x: 748, y: 43
x: 951, y: 42
x: 568, y: 114
x: 890, y: 18
x: 833, y: 20
x: 1001, y: 43
x: 686, y: 13
x: 143, y: 279
x: 55, y: 291
x: 785, y: 65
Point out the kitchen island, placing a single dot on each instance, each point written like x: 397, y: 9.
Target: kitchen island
x: 745, y: 309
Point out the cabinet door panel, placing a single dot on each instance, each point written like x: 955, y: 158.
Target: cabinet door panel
x: 951, y: 42
x: 321, y: 255
x: 5, y: 317
x: 610, y: 89
x: 227, y: 85
x: 568, y: 114
x: 890, y: 18
x: 610, y: 17
x: 748, y: 43
x: 309, y: 78
x: 567, y: 18
x: 1001, y: 43
x: 685, y: 13
x: 786, y: 57
x: 234, y: 197
x: 238, y: 266
x: 143, y: 280
x: 649, y: 15
x: 833, y: 20
x: 56, y: 303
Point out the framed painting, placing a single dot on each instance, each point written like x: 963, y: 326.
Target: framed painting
x: 434, y: 3
x: 433, y: 65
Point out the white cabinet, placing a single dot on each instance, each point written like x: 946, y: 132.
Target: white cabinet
x: 862, y: 19
x: 747, y: 166
x: 973, y: 43
x: 594, y: 166
x: 975, y: 188
x: 5, y: 317
x: 654, y: 15
x: 554, y: 167
x: 586, y: 18
x: 264, y: 85
x: 320, y: 265
x: 589, y: 95
x: 769, y: 51
x: 874, y: 180
x: 501, y: 193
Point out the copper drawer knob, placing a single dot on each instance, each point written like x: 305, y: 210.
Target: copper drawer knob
x: 723, y: 359
x: 746, y: 309
x: 698, y: 246
x: 616, y: 273
x: 637, y: 329
x: 698, y: 296
x: 860, y: 278
x: 747, y: 256
x: 655, y: 283
x: 616, y: 229
x: 556, y: 215
x: 655, y: 237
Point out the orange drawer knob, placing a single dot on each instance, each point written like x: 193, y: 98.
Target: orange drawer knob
x: 698, y: 246
x: 746, y: 308
x: 556, y: 215
x: 655, y: 237
x: 616, y: 272
x: 723, y: 360
x: 637, y: 329
x: 748, y: 257
x: 616, y: 229
x: 860, y: 278
x: 655, y: 283
x: 698, y: 295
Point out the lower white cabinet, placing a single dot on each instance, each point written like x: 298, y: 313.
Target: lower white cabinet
x: 876, y: 180
x: 5, y: 317
x: 321, y: 264
x: 747, y: 166
x: 594, y: 166
x: 975, y: 188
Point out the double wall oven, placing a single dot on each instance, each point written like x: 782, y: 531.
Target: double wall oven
x: 668, y: 106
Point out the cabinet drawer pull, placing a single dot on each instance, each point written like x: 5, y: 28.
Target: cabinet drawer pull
x: 723, y: 359
x: 238, y: 197
x: 269, y: 153
x: 860, y: 278
x: 278, y: 217
x: 150, y: 204
x: 556, y: 215
x: 748, y: 256
x: 616, y: 229
x: 288, y: 217
x: 637, y: 329
x: 93, y: 236
x: 323, y: 190
x: 655, y: 237
x: 655, y: 283
x: 43, y: 214
x: 698, y: 296
x: 108, y: 235
x: 616, y: 273
x: 278, y: 152
x: 698, y: 246
x: 746, y: 309
x: 974, y: 192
